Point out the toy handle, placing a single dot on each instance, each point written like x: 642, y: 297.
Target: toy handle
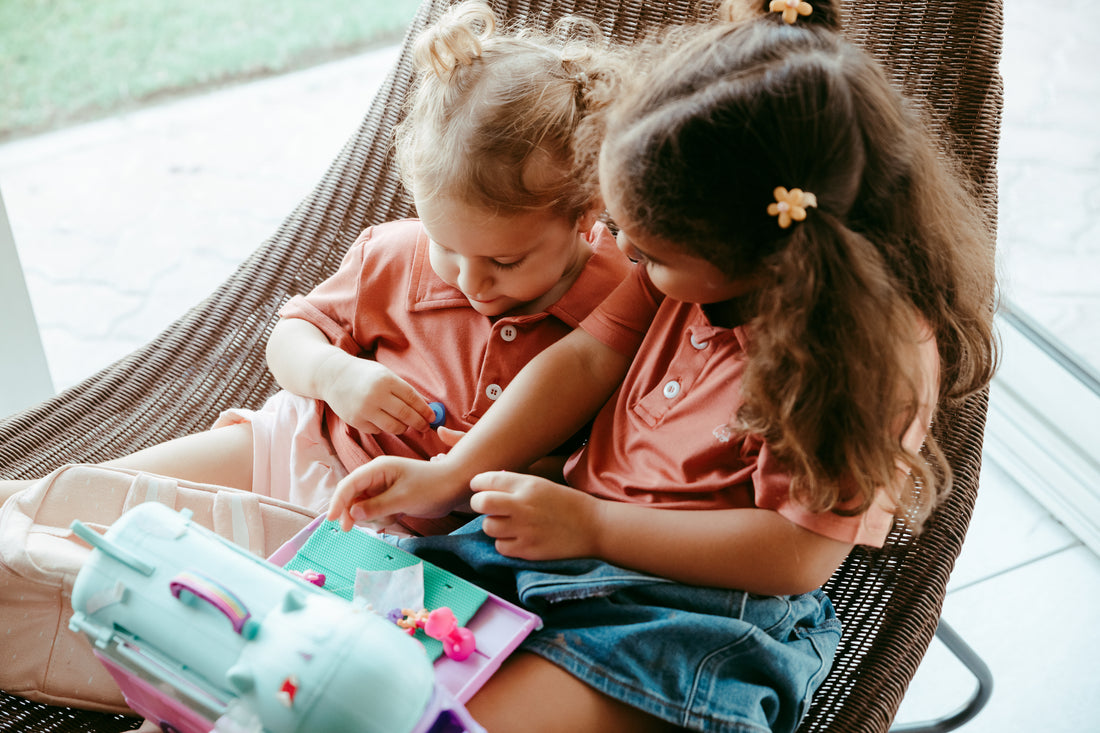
x: 218, y: 596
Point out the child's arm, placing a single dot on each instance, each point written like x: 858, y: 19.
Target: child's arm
x: 756, y: 550
x: 553, y: 396
x: 364, y: 393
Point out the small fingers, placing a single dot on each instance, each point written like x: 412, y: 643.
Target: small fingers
x: 394, y: 412
x: 355, y: 488
x: 497, y: 527
x: 493, y: 503
x: 511, y: 547
x: 413, y: 412
x: 495, y: 481
x: 393, y: 419
x: 450, y: 436
x: 376, y: 524
x: 373, y: 510
x: 411, y: 409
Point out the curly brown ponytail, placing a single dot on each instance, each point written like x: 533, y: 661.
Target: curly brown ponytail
x: 894, y: 258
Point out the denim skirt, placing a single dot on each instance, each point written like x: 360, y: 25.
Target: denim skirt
x: 705, y: 659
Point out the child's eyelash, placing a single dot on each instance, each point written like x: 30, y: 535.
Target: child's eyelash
x: 507, y: 265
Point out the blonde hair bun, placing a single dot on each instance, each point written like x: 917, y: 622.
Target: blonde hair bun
x: 455, y: 40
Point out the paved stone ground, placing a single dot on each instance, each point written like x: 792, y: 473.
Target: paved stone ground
x: 124, y: 223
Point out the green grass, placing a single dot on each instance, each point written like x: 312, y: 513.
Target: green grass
x: 63, y: 61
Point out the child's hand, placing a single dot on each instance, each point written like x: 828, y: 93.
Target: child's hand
x: 450, y: 436
x: 370, y: 397
x: 390, y: 486
x: 536, y: 519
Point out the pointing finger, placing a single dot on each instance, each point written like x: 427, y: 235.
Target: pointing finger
x: 493, y: 481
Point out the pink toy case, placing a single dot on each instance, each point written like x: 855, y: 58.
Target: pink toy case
x: 201, y: 635
x: 498, y: 626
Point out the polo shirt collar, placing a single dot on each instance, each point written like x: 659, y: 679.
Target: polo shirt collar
x: 599, y: 275
x: 426, y: 290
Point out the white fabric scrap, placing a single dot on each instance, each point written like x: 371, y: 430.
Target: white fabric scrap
x: 385, y: 590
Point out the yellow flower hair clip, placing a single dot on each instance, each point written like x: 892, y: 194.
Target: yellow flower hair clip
x: 791, y: 205
x: 791, y: 9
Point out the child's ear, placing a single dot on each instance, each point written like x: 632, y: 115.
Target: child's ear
x: 590, y: 216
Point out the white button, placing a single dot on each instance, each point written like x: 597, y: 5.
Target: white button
x: 508, y: 333
x: 672, y: 389
x: 699, y: 344
x: 493, y: 391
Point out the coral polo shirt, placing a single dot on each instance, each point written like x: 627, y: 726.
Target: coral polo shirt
x: 662, y: 439
x: 386, y: 303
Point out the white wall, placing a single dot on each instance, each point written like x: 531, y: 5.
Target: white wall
x: 24, y: 372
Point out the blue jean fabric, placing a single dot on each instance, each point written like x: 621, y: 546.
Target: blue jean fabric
x: 705, y: 659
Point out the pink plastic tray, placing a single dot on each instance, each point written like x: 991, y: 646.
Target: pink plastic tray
x: 498, y: 626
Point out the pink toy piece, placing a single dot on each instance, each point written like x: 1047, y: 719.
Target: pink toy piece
x: 310, y: 576
x: 459, y: 644
x: 441, y: 622
x: 458, y: 641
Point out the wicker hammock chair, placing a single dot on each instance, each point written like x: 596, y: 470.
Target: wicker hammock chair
x: 943, y: 52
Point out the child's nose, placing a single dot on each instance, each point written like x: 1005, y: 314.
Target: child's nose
x: 473, y: 277
x: 624, y: 244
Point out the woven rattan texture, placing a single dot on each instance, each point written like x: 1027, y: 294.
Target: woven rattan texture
x: 945, y: 53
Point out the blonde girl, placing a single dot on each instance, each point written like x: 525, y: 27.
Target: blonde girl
x: 506, y: 257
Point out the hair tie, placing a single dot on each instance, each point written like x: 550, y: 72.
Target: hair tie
x: 791, y: 205
x: 791, y: 9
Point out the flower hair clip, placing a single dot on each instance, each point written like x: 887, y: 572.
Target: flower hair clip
x: 791, y: 205
x: 791, y: 9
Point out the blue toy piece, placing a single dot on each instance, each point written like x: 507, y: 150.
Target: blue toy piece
x: 440, y: 414
x: 202, y: 635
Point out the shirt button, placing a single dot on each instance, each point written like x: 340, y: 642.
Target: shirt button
x: 699, y: 344
x: 493, y: 391
x: 672, y: 388
x: 509, y: 333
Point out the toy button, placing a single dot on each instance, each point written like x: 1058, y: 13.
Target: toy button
x: 440, y: 414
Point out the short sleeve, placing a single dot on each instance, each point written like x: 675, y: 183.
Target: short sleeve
x: 621, y: 321
x: 332, y: 305
x: 771, y: 485
x: 771, y: 481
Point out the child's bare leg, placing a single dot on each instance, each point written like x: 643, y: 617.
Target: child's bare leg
x: 531, y: 694
x: 222, y: 456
